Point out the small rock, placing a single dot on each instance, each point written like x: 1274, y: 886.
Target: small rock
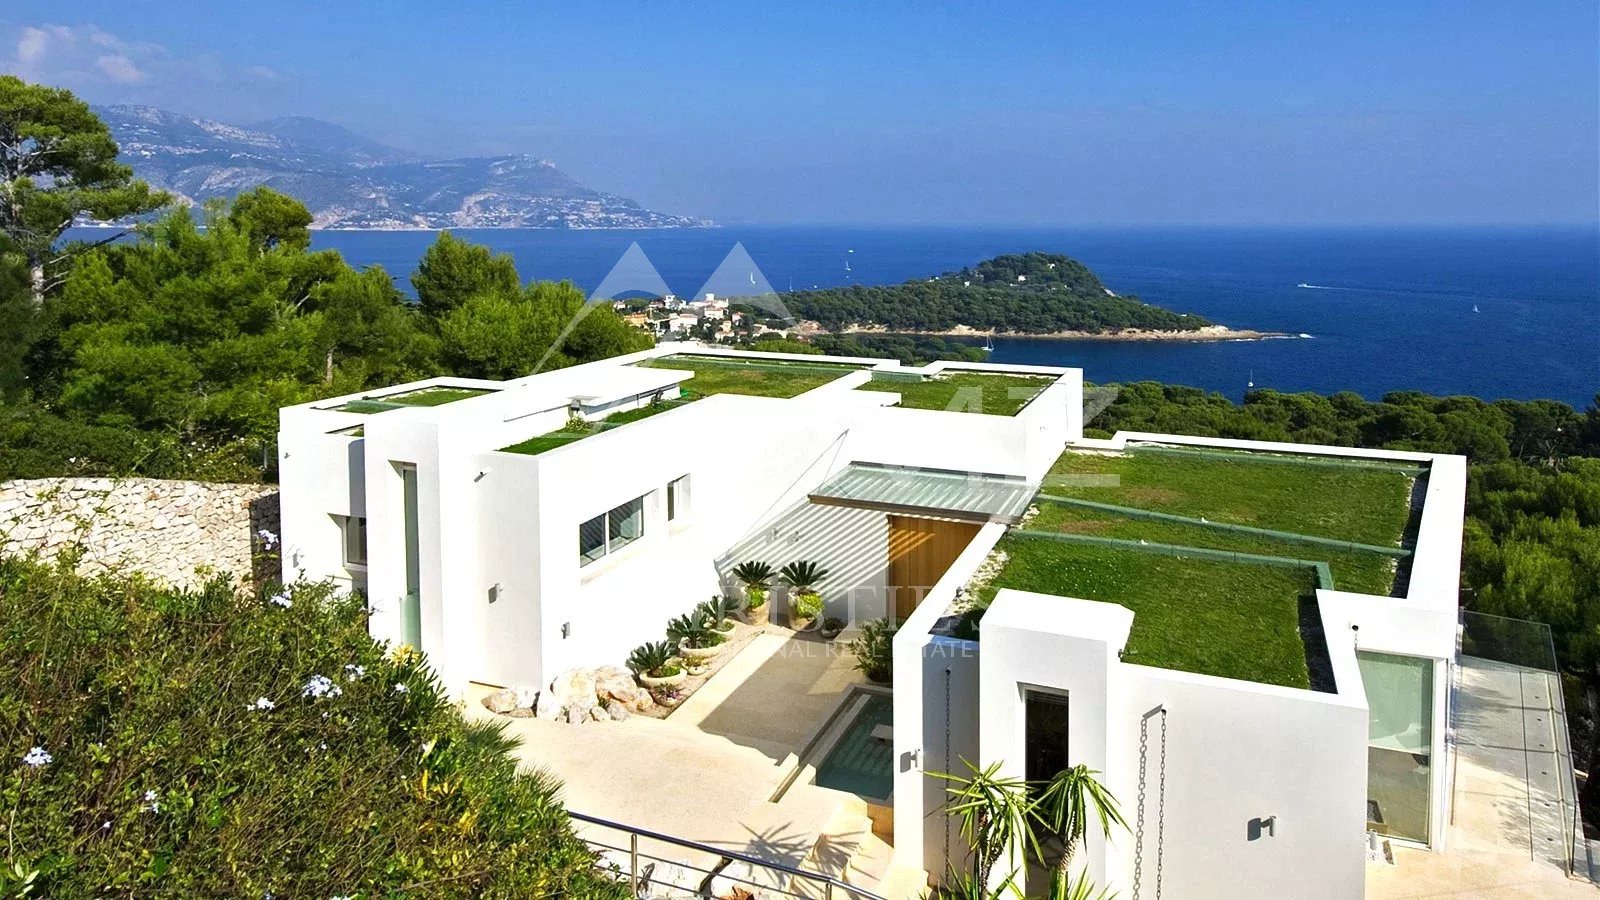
x: 547, y: 706
x: 617, y: 710
x: 502, y: 701
x: 526, y: 696
x: 576, y: 716
x: 614, y: 682
x: 599, y: 714
x: 521, y: 712
x: 574, y: 686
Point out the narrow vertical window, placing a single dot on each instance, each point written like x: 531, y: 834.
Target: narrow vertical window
x: 677, y: 498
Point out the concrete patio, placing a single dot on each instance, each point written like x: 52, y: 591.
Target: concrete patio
x: 708, y: 773
x: 1508, y: 837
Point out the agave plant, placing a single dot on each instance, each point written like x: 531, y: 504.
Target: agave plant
x: 658, y: 659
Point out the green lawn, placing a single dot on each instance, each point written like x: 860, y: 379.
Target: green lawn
x: 577, y: 431
x: 1230, y: 619
x: 434, y: 396
x: 1365, y: 505
x: 1353, y: 570
x: 756, y: 378
x: 971, y: 392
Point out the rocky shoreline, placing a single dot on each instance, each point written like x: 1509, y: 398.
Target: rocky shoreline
x: 1207, y: 333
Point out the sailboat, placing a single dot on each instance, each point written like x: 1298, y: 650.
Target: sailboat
x: 1252, y: 382
x: 1474, y: 307
x: 988, y: 344
x: 847, y: 260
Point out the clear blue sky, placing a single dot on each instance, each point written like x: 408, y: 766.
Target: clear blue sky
x: 1021, y: 113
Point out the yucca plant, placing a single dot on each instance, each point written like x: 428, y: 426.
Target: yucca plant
x: 657, y: 659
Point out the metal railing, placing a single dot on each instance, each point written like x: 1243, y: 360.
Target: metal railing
x: 656, y: 865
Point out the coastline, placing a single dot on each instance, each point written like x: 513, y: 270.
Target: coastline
x: 1206, y: 334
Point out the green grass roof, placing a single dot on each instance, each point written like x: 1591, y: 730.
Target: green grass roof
x: 755, y: 377
x: 1193, y: 611
x: 432, y: 396
x: 970, y: 392
x: 1214, y: 617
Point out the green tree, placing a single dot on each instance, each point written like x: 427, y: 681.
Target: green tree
x: 57, y: 162
x: 269, y: 220
x: 546, y: 326
x: 453, y: 271
x: 366, y: 332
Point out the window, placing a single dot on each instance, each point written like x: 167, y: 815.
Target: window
x: 1399, y: 743
x: 355, y: 540
x: 610, y: 531
x: 677, y: 498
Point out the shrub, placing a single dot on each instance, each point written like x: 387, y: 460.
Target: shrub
x: 874, y: 650
x: 657, y: 659
x: 693, y: 629
x: 755, y: 576
x: 806, y: 605
x: 215, y: 744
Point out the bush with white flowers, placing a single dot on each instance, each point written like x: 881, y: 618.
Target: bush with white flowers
x: 219, y: 744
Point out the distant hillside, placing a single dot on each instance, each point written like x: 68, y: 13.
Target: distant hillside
x: 350, y: 181
x: 1030, y: 293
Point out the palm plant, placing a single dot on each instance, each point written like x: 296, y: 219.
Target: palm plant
x: 657, y: 659
x: 995, y: 814
x: 998, y: 814
x: 803, y: 576
x: 1063, y: 811
x: 719, y: 612
x: 693, y: 629
x: 756, y: 576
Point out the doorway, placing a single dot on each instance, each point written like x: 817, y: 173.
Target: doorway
x: 920, y: 552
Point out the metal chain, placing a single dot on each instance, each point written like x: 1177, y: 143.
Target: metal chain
x: 1161, y: 807
x: 947, y: 757
x: 1138, y: 828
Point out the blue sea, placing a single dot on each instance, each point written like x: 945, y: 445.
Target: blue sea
x: 1488, y: 312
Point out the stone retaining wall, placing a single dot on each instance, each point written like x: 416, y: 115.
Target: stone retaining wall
x: 174, y: 531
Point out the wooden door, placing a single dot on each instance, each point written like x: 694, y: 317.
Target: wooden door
x: 920, y: 552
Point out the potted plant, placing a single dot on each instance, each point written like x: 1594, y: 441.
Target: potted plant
x: 805, y: 603
x: 756, y: 578
x: 831, y: 627
x: 874, y: 650
x: 719, y: 613
x: 696, y: 641
x: 656, y: 665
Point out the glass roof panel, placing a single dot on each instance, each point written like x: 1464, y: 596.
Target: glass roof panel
x: 971, y: 496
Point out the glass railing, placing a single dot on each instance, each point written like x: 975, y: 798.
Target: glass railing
x: 1515, y: 641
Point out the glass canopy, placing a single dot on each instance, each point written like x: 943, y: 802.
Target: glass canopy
x: 969, y: 496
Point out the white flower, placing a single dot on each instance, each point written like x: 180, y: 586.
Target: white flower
x: 354, y: 671
x: 37, y: 757
x: 400, y: 689
x: 152, y: 802
x: 281, y: 598
x: 262, y: 704
x: 267, y: 538
x: 320, y: 686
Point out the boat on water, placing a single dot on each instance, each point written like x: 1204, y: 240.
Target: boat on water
x: 1474, y: 307
x: 988, y: 345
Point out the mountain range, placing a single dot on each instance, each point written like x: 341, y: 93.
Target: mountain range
x: 350, y: 181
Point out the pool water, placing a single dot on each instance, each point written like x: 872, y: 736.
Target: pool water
x: 858, y: 762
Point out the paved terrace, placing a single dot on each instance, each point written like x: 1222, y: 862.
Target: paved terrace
x: 1508, y: 837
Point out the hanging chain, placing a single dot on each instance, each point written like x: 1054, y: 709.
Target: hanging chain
x: 947, y: 757
x: 1138, y: 828
x: 1161, y: 806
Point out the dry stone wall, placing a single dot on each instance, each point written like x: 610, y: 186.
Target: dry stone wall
x: 179, y: 532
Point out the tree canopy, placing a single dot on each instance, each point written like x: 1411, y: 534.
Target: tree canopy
x: 57, y: 162
x: 1055, y: 294
x: 453, y: 271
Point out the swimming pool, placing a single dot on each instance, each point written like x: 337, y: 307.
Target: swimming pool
x: 858, y: 762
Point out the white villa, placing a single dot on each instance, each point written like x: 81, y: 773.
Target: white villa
x: 514, y: 530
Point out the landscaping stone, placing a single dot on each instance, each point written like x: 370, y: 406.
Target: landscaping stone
x: 502, y: 701
x: 599, y: 714
x: 526, y: 696
x: 577, y: 716
x: 617, y: 710
x: 521, y: 712
x: 614, y: 682
x: 547, y: 706
x: 574, y: 687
